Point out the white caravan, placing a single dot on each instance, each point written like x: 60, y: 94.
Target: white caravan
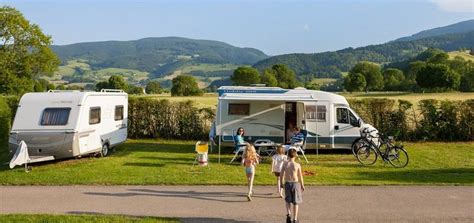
x: 62, y: 124
x: 265, y: 113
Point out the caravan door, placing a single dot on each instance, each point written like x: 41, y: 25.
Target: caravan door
x: 345, y: 130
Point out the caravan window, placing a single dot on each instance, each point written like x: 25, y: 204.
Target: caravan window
x: 55, y: 116
x: 239, y: 109
x: 118, y: 112
x: 310, y: 112
x: 94, y: 115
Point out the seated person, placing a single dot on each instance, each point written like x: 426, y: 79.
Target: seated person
x: 290, y: 132
x: 298, y: 138
x: 239, y: 139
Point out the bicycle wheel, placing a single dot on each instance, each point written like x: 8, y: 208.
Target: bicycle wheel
x: 366, y: 155
x: 359, y: 142
x: 398, y: 157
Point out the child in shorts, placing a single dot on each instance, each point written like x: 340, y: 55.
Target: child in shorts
x: 277, y: 163
x: 294, y: 185
x: 249, y: 161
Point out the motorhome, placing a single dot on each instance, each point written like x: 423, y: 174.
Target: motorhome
x: 63, y: 124
x: 266, y: 112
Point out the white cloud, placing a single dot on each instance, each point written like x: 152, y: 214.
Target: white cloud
x: 306, y: 27
x: 455, y: 5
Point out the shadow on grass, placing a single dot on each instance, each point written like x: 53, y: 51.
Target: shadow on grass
x: 127, y: 148
x: 228, y: 197
x: 138, y: 164
x: 420, y: 176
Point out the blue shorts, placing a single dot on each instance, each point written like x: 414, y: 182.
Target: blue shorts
x: 249, y: 169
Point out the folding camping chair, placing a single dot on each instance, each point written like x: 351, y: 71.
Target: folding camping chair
x: 238, y: 148
x: 300, y: 147
x: 202, y: 149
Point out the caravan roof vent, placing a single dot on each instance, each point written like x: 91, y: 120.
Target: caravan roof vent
x: 258, y: 85
x: 59, y: 91
x: 112, y: 90
x: 300, y: 88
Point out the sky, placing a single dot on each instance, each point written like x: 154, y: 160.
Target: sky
x: 273, y: 26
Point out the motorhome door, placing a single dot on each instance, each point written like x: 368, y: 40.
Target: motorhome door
x: 345, y: 130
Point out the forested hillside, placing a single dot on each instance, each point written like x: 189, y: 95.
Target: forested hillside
x: 331, y: 64
x: 153, y: 54
x: 460, y: 27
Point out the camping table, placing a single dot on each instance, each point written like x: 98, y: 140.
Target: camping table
x: 265, y: 147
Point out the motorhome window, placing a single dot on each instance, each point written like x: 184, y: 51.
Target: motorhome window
x: 55, y: 116
x: 118, y: 112
x: 321, y: 113
x: 239, y: 109
x: 310, y: 112
x: 342, y: 115
x: 94, y: 115
x: 352, y: 119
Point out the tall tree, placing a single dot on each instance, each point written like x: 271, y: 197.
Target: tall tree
x: 24, y: 52
x: 117, y: 82
x: 354, y: 82
x: 371, y: 73
x: 245, y: 76
x: 268, y: 78
x: 285, y: 76
x: 184, y: 85
x: 392, y: 79
x: 439, y: 76
x: 153, y: 87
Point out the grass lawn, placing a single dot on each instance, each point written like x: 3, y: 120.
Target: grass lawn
x: 23, y: 218
x: 160, y: 162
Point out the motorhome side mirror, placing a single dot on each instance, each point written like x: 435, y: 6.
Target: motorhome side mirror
x: 359, y: 123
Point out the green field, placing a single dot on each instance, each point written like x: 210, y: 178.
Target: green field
x: 208, y: 67
x: 210, y: 100
x: 168, y: 162
x: 26, y: 218
x: 81, y: 69
x: 464, y: 54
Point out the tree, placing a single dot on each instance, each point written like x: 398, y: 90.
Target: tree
x: 372, y: 75
x: 101, y: 85
x: 117, y: 82
x: 268, y: 78
x: 392, y: 79
x: 467, y: 81
x: 438, y: 76
x: 245, y: 76
x: 354, y: 82
x: 25, y: 52
x: 185, y: 85
x: 153, y: 87
x: 285, y: 76
x: 132, y: 89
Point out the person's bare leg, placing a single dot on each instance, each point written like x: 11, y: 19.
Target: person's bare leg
x: 249, y: 182
x: 252, y: 176
x: 295, y: 212
x: 288, y: 208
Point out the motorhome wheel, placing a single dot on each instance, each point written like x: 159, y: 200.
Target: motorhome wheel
x: 105, y: 150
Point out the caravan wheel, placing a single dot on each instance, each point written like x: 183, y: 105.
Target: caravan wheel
x: 105, y: 150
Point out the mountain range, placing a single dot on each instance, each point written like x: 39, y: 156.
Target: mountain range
x: 166, y: 57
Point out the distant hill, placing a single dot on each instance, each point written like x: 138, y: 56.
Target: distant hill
x: 331, y: 64
x: 152, y: 54
x: 460, y: 27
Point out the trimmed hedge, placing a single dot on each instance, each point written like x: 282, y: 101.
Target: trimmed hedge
x: 434, y: 120
x: 150, y: 118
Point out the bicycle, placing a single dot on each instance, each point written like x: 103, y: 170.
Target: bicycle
x: 368, y: 153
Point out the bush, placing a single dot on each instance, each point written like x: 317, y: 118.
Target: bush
x: 5, y: 123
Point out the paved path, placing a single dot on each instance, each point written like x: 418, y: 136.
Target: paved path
x: 228, y: 203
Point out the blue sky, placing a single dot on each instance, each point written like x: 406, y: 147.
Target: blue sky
x: 275, y: 27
